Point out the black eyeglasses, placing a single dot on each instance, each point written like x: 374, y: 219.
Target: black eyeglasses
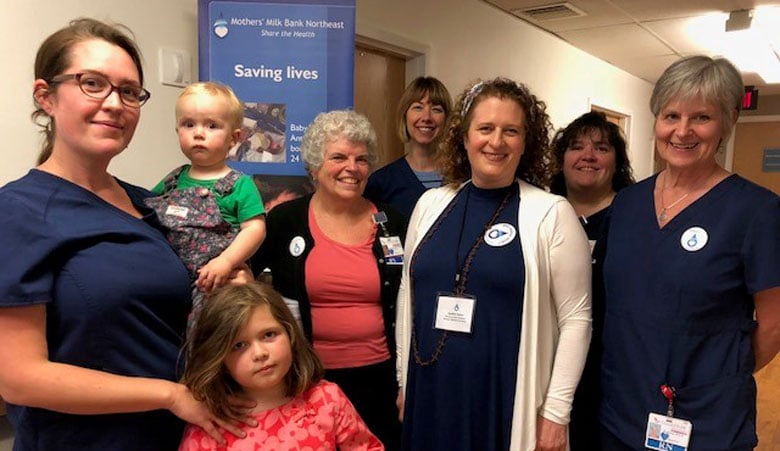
x: 97, y: 86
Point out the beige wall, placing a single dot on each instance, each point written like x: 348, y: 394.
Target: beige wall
x: 461, y: 40
x: 159, y: 23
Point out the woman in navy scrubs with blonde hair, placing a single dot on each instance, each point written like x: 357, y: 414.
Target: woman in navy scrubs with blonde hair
x: 422, y: 117
x: 692, y: 256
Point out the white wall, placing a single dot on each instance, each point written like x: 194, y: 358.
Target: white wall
x: 462, y: 39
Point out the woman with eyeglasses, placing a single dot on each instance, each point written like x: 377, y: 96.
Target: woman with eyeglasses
x: 93, y: 300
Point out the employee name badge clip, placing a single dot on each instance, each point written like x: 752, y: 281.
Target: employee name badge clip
x: 664, y: 432
x: 454, y: 313
x: 392, y: 248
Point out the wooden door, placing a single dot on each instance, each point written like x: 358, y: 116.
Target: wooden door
x: 750, y: 140
x: 379, y: 83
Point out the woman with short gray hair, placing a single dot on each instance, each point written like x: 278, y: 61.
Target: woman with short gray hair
x: 339, y: 257
x: 692, y: 256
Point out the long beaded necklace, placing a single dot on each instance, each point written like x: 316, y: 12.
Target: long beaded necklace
x: 460, y: 278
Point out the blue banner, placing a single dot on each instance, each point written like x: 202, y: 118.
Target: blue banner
x: 287, y: 61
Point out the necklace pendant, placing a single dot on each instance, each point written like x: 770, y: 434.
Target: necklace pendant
x: 662, y: 216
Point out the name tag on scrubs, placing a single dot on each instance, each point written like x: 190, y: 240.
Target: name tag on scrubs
x: 454, y: 313
x: 175, y: 210
x: 393, y: 250
x: 667, y: 433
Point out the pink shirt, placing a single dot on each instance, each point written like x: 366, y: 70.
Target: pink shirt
x: 342, y: 282
x: 322, y: 418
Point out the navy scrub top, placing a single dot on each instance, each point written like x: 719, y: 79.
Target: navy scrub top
x: 116, y: 298
x: 395, y: 184
x: 680, y: 311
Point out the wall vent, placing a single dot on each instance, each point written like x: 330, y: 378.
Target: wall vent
x: 552, y: 11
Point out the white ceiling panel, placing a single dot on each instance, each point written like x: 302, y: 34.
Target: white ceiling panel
x: 643, y: 37
x: 609, y: 43
x: 643, y: 10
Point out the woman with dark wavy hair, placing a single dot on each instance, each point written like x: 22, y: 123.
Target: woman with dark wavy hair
x: 590, y: 154
x: 494, y: 307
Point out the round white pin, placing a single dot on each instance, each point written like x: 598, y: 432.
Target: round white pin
x: 500, y: 234
x: 694, y: 239
x: 297, y: 246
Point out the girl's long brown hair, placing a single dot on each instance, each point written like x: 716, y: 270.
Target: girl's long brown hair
x: 225, y: 313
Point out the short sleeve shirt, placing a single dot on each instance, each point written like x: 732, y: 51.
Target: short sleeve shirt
x: 116, y: 298
x: 241, y: 204
x: 679, y: 310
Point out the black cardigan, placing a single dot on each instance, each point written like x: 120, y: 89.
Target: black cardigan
x: 290, y: 220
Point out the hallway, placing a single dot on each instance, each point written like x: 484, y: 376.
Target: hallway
x: 768, y: 380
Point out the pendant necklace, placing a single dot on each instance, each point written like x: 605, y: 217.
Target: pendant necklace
x: 664, y: 208
x: 662, y: 215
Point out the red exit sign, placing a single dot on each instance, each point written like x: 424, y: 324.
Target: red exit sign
x: 750, y: 99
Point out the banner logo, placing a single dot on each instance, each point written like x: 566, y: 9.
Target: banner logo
x: 220, y: 28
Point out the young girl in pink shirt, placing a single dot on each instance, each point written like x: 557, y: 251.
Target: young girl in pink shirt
x: 247, y: 344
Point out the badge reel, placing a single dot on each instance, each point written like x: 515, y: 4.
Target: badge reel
x: 392, y: 248
x: 664, y: 432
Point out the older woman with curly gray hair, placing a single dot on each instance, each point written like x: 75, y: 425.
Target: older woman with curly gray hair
x: 339, y: 256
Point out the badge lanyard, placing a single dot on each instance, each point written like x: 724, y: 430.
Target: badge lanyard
x: 461, y: 275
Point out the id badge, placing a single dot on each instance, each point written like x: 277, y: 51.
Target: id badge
x: 393, y: 250
x: 175, y: 210
x: 667, y: 433
x: 454, y: 313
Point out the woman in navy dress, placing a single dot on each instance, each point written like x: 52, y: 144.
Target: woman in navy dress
x: 422, y: 117
x: 93, y: 300
x: 590, y: 154
x: 692, y: 276
x: 494, y: 310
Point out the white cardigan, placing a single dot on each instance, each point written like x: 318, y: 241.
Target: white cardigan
x: 556, y: 322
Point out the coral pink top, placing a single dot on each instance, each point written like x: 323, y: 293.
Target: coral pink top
x: 322, y: 418
x: 342, y: 282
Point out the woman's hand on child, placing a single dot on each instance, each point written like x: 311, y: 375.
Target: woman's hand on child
x: 186, y: 407
x: 399, y: 402
x: 214, y: 274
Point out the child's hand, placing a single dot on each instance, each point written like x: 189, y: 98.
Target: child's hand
x: 186, y: 407
x: 214, y: 274
x: 241, y: 275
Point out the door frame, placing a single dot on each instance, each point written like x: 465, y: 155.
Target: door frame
x: 411, y: 51
x: 744, y: 120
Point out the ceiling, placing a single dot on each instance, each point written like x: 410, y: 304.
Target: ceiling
x: 642, y: 37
